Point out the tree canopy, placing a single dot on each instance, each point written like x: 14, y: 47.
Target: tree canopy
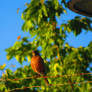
x: 66, y: 66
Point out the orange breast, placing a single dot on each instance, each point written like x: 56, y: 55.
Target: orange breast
x: 37, y: 64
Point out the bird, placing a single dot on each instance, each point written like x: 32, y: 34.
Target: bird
x: 38, y: 66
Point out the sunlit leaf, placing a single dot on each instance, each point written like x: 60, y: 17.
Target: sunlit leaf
x: 8, y: 57
x: 2, y: 66
x: 17, y: 57
x: 29, y: 58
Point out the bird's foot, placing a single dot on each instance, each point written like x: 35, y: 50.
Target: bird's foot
x: 36, y: 76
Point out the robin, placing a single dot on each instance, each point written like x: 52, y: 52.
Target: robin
x: 37, y: 65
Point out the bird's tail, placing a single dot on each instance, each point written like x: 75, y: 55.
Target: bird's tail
x: 46, y: 81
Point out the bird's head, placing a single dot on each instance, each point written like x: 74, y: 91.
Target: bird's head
x: 35, y: 53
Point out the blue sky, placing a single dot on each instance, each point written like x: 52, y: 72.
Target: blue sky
x: 10, y: 29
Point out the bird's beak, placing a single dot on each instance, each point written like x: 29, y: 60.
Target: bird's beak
x: 33, y: 53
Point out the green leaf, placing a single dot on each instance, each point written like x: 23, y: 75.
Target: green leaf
x: 29, y: 58
x: 44, y: 10
x: 2, y: 66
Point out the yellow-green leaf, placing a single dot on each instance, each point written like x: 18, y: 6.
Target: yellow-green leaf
x: 29, y: 58
x: 2, y: 66
x: 8, y: 57
x: 17, y: 57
